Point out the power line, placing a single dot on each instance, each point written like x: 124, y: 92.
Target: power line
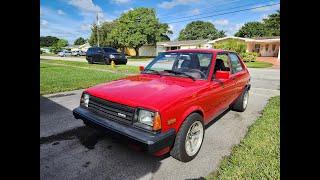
x: 247, y: 9
x: 207, y: 7
x: 251, y: 4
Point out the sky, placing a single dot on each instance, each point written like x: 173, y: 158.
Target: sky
x: 70, y: 19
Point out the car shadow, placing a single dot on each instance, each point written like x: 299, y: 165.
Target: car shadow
x: 216, y: 119
x: 85, y: 152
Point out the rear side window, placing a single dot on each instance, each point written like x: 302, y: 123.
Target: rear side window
x: 110, y: 50
x: 235, y: 63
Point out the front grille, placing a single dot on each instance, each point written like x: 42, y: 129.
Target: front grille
x: 111, y: 110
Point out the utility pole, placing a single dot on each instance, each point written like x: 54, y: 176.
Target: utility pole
x: 98, y: 30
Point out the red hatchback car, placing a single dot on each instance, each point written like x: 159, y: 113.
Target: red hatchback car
x: 167, y: 105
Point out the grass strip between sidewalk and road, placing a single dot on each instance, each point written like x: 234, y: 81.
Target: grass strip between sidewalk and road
x: 258, y: 154
x: 118, y: 68
x: 54, y: 78
x: 258, y: 64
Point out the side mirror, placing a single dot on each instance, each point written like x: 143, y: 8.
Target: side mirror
x: 222, y: 75
x: 141, y: 68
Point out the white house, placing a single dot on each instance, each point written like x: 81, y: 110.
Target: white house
x: 189, y: 44
x: 264, y: 46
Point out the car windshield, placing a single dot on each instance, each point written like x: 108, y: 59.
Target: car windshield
x: 194, y: 65
x: 110, y: 50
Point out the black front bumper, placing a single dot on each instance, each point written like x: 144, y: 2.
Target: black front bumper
x: 151, y: 142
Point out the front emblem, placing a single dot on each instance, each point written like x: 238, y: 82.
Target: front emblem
x: 122, y: 115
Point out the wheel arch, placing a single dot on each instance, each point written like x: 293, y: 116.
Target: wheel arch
x: 189, y: 111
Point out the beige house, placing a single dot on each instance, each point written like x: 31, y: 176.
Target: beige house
x: 190, y: 44
x: 264, y: 46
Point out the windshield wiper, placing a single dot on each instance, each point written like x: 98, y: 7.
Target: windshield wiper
x: 151, y: 70
x: 180, y: 73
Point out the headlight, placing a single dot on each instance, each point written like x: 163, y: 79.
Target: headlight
x: 146, y: 117
x: 85, y: 99
x: 111, y: 56
x: 149, y: 118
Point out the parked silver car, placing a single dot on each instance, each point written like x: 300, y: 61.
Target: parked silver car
x: 64, y: 53
x: 75, y: 53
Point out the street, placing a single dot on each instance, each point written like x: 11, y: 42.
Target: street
x: 68, y: 150
x: 83, y: 59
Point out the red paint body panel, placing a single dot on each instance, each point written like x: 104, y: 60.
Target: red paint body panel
x: 176, y: 97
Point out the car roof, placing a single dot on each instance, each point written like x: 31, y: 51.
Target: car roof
x: 211, y: 50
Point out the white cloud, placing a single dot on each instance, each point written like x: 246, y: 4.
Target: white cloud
x: 171, y: 28
x: 85, y: 27
x: 222, y: 22
x: 85, y: 5
x: 195, y: 11
x: 127, y: 10
x: 60, y: 12
x: 173, y: 3
x: 233, y: 28
x: 121, y: 1
x: 41, y: 12
x: 43, y: 23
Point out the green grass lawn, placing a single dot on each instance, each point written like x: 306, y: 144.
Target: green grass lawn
x: 48, y: 54
x: 119, y: 68
x: 141, y: 58
x: 258, y: 64
x: 258, y: 154
x: 55, y: 78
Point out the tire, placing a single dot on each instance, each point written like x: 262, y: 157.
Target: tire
x: 242, y: 102
x: 107, y: 62
x: 90, y: 61
x: 179, y: 150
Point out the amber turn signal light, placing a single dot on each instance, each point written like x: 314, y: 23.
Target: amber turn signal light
x: 157, y: 122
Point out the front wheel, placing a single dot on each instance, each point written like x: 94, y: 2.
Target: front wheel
x: 90, y: 61
x: 189, y: 138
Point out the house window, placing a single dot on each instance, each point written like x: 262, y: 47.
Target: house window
x: 257, y: 48
x: 273, y: 47
x: 267, y: 47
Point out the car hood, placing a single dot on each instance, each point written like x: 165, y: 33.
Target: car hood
x: 148, y: 91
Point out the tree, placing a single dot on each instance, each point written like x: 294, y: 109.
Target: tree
x: 269, y: 26
x: 252, y: 29
x: 200, y: 30
x: 105, y: 35
x: 272, y: 24
x: 138, y: 27
x: 232, y: 45
x: 79, y: 41
x: 47, y: 41
x: 59, y: 45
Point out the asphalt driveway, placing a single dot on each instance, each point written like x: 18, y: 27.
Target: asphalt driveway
x: 68, y: 150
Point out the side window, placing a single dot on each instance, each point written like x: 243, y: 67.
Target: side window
x: 204, y: 59
x: 235, y: 63
x: 221, y: 63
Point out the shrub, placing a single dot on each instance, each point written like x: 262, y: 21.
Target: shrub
x: 249, y: 56
x: 232, y: 45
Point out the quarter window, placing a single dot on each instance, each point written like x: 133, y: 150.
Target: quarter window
x: 235, y: 63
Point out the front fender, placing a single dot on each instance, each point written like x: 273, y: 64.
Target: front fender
x: 186, y: 113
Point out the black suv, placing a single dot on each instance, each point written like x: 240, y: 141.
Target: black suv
x: 105, y: 55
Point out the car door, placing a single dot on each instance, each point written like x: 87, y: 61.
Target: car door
x: 228, y: 85
x: 238, y: 74
x: 220, y: 91
x: 100, y: 55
